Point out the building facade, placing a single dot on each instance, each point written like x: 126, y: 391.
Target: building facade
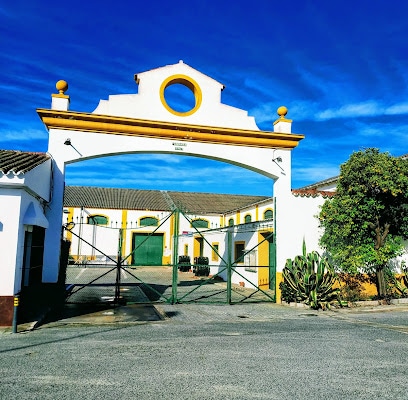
x: 139, y: 227
x: 25, y: 192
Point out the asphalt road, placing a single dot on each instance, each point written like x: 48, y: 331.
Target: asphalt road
x: 248, y: 351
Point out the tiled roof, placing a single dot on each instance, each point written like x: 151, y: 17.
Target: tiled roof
x: 119, y: 199
x: 134, y: 199
x: 207, y: 203
x: 315, y: 185
x: 20, y: 162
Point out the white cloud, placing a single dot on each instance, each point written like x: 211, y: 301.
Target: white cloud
x: 368, y: 108
x: 24, y: 135
x: 397, y: 109
x: 312, y: 174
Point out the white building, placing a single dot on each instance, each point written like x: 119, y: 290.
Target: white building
x: 25, y: 190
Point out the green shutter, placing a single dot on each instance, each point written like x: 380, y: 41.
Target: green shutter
x: 199, y: 223
x: 97, y: 220
x: 268, y: 214
x: 149, y: 221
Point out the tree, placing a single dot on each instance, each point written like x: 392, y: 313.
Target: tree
x: 366, y: 221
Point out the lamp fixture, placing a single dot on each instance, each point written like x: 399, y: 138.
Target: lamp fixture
x: 68, y: 143
x: 278, y: 160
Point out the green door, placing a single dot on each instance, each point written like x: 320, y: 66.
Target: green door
x: 148, y: 249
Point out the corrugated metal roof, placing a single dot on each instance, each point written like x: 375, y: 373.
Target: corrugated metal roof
x: 20, y: 162
x: 134, y: 199
x: 209, y: 203
x: 114, y: 198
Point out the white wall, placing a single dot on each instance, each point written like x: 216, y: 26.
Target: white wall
x: 10, y: 202
x: 39, y: 180
x: 304, y: 224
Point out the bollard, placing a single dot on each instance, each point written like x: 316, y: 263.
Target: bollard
x: 15, y: 312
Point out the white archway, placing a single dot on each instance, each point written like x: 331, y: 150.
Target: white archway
x: 145, y: 123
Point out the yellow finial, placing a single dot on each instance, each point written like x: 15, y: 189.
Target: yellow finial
x: 282, y: 111
x: 62, y: 86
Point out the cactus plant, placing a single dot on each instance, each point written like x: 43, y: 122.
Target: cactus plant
x: 310, y: 278
x: 401, y: 283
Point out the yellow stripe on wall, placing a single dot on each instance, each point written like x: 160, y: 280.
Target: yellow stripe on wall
x: 70, y: 217
x: 279, y: 279
x: 124, y: 232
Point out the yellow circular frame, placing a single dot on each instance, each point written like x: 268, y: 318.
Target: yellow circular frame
x: 185, y: 81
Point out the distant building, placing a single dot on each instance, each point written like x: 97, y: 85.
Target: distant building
x: 148, y: 237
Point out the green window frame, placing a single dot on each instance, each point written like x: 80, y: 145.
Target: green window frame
x: 148, y: 221
x: 239, y: 252
x: 199, y: 223
x: 247, y: 218
x: 231, y: 222
x: 214, y: 251
x: 268, y: 214
x: 97, y: 220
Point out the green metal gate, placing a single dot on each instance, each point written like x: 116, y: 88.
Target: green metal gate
x: 140, y: 277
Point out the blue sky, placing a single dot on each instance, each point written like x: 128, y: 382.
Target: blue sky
x: 340, y: 67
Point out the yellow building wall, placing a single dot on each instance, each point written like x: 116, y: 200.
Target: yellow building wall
x: 263, y: 262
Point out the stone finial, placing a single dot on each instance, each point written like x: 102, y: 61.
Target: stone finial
x: 282, y: 124
x: 282, y: 111
x: 60, y: 101
x: 62, y: 86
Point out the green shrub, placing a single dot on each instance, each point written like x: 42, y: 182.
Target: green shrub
x: 352, y: 288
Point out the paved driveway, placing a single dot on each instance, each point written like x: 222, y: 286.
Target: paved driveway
x: 247, y: 351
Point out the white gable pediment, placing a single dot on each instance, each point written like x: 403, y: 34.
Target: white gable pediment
x: 150, y: 102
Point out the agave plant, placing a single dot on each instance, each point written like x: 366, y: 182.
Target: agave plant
x: 401, y: 283
x: 310, y: 278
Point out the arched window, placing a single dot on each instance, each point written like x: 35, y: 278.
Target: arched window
x: 97, y: 220
x: 268, y: 214
x: 247, y: 218
x: 149, y: 221
x: 199, y: 223
x: 231, y: 222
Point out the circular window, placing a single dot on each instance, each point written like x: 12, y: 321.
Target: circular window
x: 180, y: 95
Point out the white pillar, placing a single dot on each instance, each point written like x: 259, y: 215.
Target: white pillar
x: 52, y: 241
x: 282, y: 191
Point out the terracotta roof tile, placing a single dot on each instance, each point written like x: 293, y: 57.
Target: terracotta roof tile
x: 315, y: 185
x: 312, y: 193
x: 19, y: 162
